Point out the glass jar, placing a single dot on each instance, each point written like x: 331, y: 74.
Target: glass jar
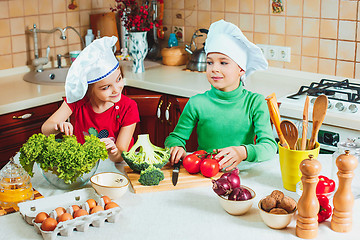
x: 354, y: 148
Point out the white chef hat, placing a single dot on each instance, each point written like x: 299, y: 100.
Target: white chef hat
x: 93, y: 64
x: 226, y: 38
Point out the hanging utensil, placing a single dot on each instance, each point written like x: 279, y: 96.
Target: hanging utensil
x: 290, y: 132
x: 319, y: 112
x: 305, y: 123
x: 275, y: 117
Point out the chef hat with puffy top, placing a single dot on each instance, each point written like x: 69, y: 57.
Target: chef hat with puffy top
x: 227, y: 38
x: 93, y: 64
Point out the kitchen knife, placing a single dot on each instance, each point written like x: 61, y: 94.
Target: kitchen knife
x: 305, y: 123
x: 175, y: 173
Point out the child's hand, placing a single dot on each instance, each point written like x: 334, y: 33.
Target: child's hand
x: 232, y: 156
x: 65, y: 127
x: 176, y: 154
x: 110, y: 145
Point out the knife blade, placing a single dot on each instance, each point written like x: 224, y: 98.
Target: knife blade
x: 175, y: 173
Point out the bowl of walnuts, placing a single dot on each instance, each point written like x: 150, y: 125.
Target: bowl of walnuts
x: 277, y: 210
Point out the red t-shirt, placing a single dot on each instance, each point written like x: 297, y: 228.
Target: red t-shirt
x: 106, y: 124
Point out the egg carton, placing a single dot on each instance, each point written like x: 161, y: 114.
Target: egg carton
x: 30, y: 209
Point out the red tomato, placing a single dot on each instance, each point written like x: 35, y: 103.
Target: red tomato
x: 192, y: 163
x: 201, y: 154
x: 209, y: 167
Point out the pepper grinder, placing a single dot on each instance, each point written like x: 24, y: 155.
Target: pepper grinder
x: 308, y: 205
x: 343, y: 198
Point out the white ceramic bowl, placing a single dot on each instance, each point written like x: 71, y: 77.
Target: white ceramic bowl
x: 111, y: 184
x: 276, y: 221
x: 237, y: 207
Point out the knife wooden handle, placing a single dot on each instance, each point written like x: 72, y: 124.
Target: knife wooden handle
x: 305, y: 123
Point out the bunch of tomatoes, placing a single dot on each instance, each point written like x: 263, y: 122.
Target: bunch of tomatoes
x: 201, y: 161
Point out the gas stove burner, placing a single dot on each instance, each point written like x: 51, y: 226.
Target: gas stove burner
x: 317, y: 92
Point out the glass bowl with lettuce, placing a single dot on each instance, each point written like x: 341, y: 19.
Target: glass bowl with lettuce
x: 64, y: 163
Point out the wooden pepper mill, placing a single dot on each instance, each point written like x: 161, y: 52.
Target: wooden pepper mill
x: 308, y: 205
x: 344, y: 199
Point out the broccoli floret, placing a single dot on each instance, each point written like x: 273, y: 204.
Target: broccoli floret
x: 151, y: 176
x: 147, y: 155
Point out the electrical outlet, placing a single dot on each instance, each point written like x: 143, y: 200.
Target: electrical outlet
x: 284, y: 54
x: 179, y: 33
x: 276, y: 53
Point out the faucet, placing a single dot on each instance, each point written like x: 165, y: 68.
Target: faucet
x: 40, y: 62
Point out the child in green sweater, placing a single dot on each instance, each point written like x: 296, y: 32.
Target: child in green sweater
x: 227, y: 117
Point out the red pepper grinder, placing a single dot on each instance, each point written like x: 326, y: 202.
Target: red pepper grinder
x: 308, y: 205
x: 344, y: 199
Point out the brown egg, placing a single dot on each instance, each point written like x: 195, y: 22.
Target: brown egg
x: 49, y: 224
x: 96, y: 209
x: 106, y: 199
x: 64, y: 217
x: 60, y: 211
x: 111, y: 205
x: 80, y: 212
x: 41, y: 216
x: 91, y: 202
x: 75, y: 207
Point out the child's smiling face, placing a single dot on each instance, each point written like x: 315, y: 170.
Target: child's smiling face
x: 222, y: 72
x: 109, y: 89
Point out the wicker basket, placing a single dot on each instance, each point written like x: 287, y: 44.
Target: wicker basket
x: 174, y: 56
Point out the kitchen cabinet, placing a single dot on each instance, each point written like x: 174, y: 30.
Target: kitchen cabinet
x: 159, y: 114
x: 17, y: 127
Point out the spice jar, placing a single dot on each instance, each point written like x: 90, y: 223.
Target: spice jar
x: 15, y: 185
x: 354, y: 149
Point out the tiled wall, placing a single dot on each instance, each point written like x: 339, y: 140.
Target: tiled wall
x: 17, y: 16
x: 324, y: 35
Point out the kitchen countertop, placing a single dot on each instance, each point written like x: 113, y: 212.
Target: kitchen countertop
x: 16, y: 94
x: 193, y: 213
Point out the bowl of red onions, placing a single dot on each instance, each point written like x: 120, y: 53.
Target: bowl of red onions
x: 236, y: 199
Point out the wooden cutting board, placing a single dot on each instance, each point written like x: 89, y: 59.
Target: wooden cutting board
x: 185, y: 180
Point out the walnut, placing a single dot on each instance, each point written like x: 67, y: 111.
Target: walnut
x: 287, y: 204
x: 278, y: 195
x: 268, y: 203
x: 278, y: 211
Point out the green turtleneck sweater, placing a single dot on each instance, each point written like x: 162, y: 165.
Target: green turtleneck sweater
x: 227, y: 119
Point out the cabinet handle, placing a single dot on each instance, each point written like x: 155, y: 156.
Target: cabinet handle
x: 167, y: 114
x: 158, y: 112
x: 25, y: 116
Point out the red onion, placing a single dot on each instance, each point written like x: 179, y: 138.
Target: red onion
x: 221, y: 186
x: 234, y: 194
x: 233, y: 178
x: 240, y: 194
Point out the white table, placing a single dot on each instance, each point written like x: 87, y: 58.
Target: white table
x: 186, y: 214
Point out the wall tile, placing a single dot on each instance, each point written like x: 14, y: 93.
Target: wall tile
x: 309, y: 64
x: 247, y: 6
x: 246, y: 22
x: 312, y: 8
x: 204, y: 5
x: 216, y: 16
x: 178, y: 21
x: 4, y: 9
x: 346, y: 50
x: 190, y: 4
x: 358, y: 52
x: 84, y: 18
x: 46, y: 6
x: 72, y: 37
x: 46, y: 22
x: 277, y: 64
x: 327, y: 66
x: 191, y: 18
x: 348, y: 10
x: 16, y: 8
x: 60, y: 20
x: 232, y: 17
x: 345, y: 69
x: 232, y: 6
x: 30, y: 20
x: 357, y: 71
x: 204, y: 19
x: 347, y: 30
x: 17, y: 26
x: 168, y: 16
x: 178, y: 4
x: 295, y: 62
x: 5, y: 45
x: 327, y: 48
x: 5, y: 27
x: 217, y: 5
x: 262, y: 7
x: 59, y: 6
x: 19, y: 59
x: 293, y: 26
x: 261, y: 38
x: 329, y: 9
x: 73, y: 19
x: 310, y: 46
x: 261, y: 23
x: 277, y: 24
x: 168, y: 3
x: 328, y: 28
x: 277, y: 40
x: 17, y: 43
x: 46, y: 40
x: 31, y: 7
x: 294, y: 43
x: 294, y: 8
x: 249, y: 36
x: 5, y: 61
x: 86, y: 4
x: 311, y: 27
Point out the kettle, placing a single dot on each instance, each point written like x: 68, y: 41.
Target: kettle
x: 198, y: 56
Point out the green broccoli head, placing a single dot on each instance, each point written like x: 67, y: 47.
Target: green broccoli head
x: 151, y: 176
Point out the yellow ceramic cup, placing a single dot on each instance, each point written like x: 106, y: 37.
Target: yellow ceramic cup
x: 289, y: 164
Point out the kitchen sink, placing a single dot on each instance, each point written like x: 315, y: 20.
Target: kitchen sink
x: 52, y: 76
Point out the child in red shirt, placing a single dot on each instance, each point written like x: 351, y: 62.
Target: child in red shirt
x: 94, y: 101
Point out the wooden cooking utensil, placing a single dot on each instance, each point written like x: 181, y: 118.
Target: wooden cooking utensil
x: 305, y: 123
x: 290, y: 132
x: 275, y: 117
x: 319, y: 112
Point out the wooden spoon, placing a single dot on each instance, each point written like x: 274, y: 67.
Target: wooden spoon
x: 319, y: 112
x: 290, y: 132
x: 305, y: 123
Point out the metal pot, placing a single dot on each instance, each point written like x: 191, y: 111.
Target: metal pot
x: 198, y: 56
